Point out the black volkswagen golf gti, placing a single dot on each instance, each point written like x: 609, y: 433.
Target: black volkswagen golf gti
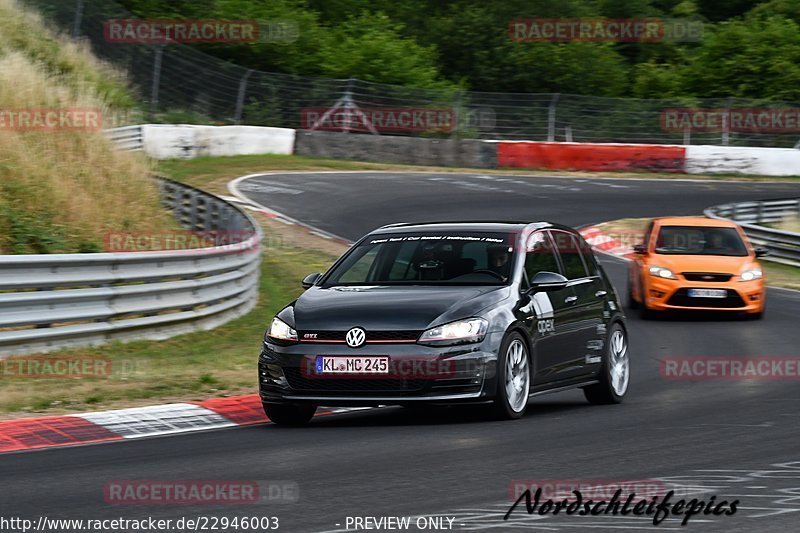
x: 446, y: 313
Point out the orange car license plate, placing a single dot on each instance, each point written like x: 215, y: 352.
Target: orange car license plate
x: 708, y: 293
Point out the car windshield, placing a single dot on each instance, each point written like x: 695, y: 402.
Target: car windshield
x: 701, y: 240
x: 443, y: 258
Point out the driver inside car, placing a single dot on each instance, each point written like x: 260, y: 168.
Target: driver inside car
x: 498, y: 260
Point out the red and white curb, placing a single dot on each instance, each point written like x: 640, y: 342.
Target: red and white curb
x: 600, y: 241
x: 134, y: 423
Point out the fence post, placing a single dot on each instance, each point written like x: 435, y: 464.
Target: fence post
x: 726, y: 127
x: 456, y: 113
x: 76, y: 22
x: 156, y: 81
x: 237, y: 118
x: 551, y: 119
x: 348, y: 99
x: 687, y: 135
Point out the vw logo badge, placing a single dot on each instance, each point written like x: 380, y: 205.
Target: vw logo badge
x: 355, y: 337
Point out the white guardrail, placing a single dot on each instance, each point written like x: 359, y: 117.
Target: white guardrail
x: 49, y: 302
x: 783, y: 246
x: 130, y: 138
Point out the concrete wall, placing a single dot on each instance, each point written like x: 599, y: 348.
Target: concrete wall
x: 164, y: 141
x: 592, y: 157
x: 738, y: 160
x: 396, y: 149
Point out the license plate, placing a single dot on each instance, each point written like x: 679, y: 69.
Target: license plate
x: 708, y: 293
x: 332, y: 364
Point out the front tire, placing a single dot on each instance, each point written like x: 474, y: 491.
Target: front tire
x: 615, y: 372
x: 289, y: 414
x: 513, y: 378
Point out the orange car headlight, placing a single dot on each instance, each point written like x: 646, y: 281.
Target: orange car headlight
x: 750, y: 275
x: 661, y: 272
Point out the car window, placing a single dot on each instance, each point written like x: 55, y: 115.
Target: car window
x: 359, y: 272
x: 699, y: 240
x: 540, y: 256
x: 588, y: 257
x: 402, y: 268
x: 477, y: 252
x: 570, y: 254
x: 451, y: 257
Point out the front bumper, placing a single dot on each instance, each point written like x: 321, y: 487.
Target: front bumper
x: 417, y: 374
x: 667, y: 294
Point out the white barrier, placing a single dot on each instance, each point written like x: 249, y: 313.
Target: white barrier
x: 742, y: 160
x: 184, y: 141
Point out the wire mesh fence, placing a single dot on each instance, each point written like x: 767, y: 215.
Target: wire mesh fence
x: 178, y: 83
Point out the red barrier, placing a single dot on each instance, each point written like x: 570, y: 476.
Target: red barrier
x: 580, y: 156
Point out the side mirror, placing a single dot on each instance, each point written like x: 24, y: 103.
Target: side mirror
x: 640, y: 249
x: 761, y: 251
x: 311, y: 279
x: 548, y: 281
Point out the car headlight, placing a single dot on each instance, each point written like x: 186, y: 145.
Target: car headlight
x: 460, y: 332
x: 661, y: 272
x: 280, y: 330
x: 750, y: 275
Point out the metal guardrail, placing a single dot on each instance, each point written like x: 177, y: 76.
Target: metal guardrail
x: 130, y: 138
x: 49, y: 302
x: 783, y: 246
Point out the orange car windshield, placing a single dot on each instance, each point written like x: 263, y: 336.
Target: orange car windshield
x: 700, y: 240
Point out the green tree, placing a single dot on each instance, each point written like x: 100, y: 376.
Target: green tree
x: 757, y: 58
x: 369, y: 47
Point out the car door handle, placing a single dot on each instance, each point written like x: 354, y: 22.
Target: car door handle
x: 600, y: 294
x: 570, y: 299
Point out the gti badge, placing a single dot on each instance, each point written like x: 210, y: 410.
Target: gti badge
x: 355, y: 337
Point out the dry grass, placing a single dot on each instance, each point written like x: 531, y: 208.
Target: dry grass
x: 60, y: 190
x: 26, y: 32
x: 789, y: 224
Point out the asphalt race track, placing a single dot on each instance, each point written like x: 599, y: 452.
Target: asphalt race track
x: 732, y: 439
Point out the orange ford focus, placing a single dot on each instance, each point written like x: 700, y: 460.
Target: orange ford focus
x: 694, y: 263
